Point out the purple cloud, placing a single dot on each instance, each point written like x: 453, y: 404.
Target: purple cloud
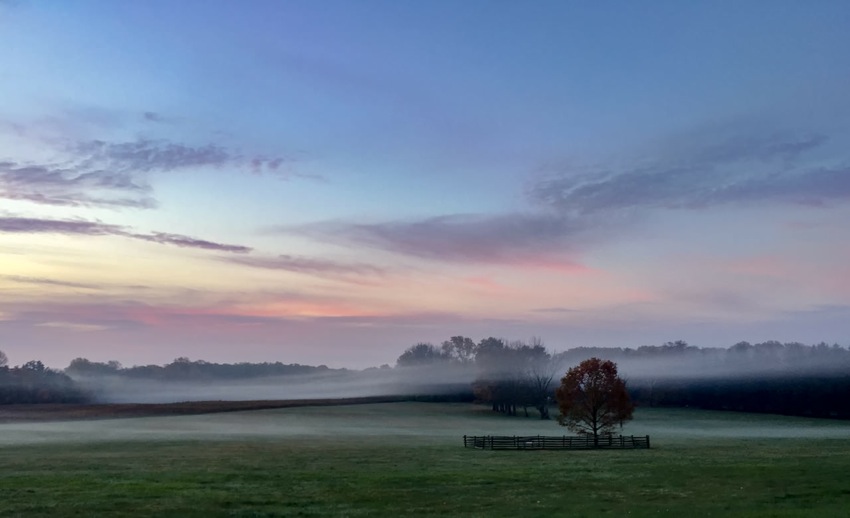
x: 16, y: 225
x: 146, y: 155
x: 308, y: 265
x: 507, y: 238
x: 71, y: 186
x: 575, y: 210
x: 152, y: 117
x: 43, y: 281
x: 554, y: 310
x: 97, y: 173
x: 739, y: 170
x: 189, y: 242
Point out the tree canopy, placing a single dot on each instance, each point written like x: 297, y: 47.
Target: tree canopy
x: 593, y: 399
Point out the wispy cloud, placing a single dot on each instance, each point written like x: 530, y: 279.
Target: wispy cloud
x: 100, y: 173
x: 145, y: 155
x: 44, y: 281
x: 18, y: 225
x: 73, y: 326
x: 508, y: 238
x: 572, y: 209
x: 760, y: 169
x: 188, y: 242
x: 70, y: 185
x: 150, y: 116
x: 554, y: 310
x: 309, y: 265
x: 11, y: 224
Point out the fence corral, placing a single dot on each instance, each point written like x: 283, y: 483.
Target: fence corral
x: 541, y: 442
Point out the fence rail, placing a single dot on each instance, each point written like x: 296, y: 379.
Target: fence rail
x: 541, y: 442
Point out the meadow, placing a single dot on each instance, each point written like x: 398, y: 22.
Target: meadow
x: 407, y: 458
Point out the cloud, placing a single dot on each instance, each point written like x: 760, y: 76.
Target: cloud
x: 43, y: 281
x: 153, y: 117
x: 188, y: 242
x: 73, y: 326
x: 73, y: 185
x: 309, y: 265
x: 57, y: 226
x: 740, y: 170
x: 554, y: 310
x: 97, y: 173
x: 18, y: 225
x: 573, y: 209
x: 144, y: 155
x: 460, y: 237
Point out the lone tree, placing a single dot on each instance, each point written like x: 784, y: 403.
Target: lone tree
x: 592, y: 399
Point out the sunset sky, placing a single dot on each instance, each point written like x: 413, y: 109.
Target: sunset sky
x: 330, y: 182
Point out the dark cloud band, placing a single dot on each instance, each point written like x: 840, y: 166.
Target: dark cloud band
x: 16, y: 225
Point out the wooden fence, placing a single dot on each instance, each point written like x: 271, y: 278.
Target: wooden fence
x: 540, y: 442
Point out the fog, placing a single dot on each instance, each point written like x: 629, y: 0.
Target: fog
x: 334, y: 384
x: 451, y: 368
x: 712, y: 363
x: 426, y: 422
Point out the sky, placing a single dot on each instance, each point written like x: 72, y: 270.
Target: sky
x: 331, y: 182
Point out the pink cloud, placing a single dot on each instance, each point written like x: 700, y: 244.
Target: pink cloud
x: 484, y: 283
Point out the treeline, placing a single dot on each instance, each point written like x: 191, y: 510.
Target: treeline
x: 809, y: 395
x: 507, y: 375
x: 512, y: 377
x: 32, y: 382
x: 679, y: 359
x: 184, y: 369
x: 768, y: 377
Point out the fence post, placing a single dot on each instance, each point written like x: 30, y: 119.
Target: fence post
x: 647, y: 442
x: 464, y: 441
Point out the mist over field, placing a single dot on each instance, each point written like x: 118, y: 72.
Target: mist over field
x: 427, y: 422
x: 335, y: 384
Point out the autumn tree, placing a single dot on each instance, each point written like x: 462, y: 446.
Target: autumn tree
x: 593, y: 399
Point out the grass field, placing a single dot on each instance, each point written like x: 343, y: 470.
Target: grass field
x: 407, y: 458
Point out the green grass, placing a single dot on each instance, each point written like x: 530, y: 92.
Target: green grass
x: 408, y: 459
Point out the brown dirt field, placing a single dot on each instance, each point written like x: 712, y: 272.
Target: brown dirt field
x: 60, y: 412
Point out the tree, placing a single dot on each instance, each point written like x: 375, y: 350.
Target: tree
x: 515, y: 374
x: 34, y: 366
x: 593, y: 399
x: 459, y: 349
x: 419, y: 355
x: 4, y: 360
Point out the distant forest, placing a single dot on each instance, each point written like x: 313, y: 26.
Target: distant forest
x: 513, y: 377
x: 768, y: 377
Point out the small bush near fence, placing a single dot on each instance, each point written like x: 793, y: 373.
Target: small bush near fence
x: 540, y: 442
